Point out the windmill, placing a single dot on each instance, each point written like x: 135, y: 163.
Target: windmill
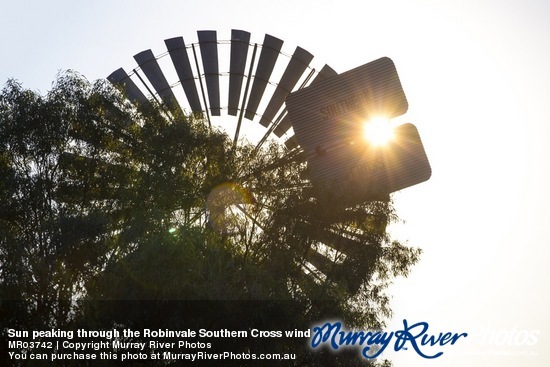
x: 242, y: 86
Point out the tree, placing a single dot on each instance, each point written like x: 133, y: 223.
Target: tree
x: 104, y: 200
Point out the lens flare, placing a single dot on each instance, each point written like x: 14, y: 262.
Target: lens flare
x: 222, y: 200
x: 378, y: 131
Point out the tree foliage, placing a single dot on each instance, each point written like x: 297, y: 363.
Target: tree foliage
x: 104, y: 200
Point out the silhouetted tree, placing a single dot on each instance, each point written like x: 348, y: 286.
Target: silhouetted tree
x: 101, y: 200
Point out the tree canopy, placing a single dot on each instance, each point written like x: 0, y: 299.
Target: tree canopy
x: 104, y: 204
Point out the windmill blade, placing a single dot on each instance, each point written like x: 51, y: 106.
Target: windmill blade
x: 180, y: 59
x: 240, y: 44
x: 271, y: 49
x: 209, y: 51
x: 148, y: 63
x: 122, y: 80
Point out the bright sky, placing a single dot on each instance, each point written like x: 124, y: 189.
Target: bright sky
x: 477, y: 77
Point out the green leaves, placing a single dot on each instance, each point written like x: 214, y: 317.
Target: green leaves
x: 103, y: 200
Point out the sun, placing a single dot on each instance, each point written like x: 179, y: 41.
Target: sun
x: 378, y: 131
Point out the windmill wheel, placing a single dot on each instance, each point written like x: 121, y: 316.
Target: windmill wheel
x: 196, y: 77
x: 249, y: 82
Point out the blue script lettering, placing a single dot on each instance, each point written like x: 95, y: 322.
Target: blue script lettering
x: 405, y: 335
x: 340, y: 338
x: 375, y: 342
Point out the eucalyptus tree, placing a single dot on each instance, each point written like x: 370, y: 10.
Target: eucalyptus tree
x: 103, y: 200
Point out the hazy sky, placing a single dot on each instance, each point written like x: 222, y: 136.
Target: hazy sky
x: 477, y: 78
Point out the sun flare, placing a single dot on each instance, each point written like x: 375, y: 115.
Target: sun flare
x: 378, y: 131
